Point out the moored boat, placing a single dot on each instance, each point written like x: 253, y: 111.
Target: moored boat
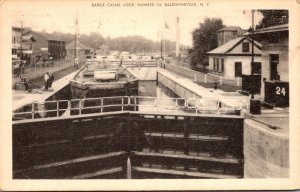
x: 100, y: 79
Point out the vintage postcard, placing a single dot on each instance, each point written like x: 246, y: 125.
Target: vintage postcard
x: 149, y: 95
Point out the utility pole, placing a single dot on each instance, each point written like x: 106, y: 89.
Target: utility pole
x: 177, y: 38
x: 21, y: 47
x: 252, y: 52
x: 21, y: 40
x: 76, y: 36
x: 255, y: 106
x: 161, y: 45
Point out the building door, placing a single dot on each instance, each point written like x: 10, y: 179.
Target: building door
x: 238, y: 69
x: 274, y: 61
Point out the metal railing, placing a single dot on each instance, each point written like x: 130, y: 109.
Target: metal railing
x: 139, y: 63
x: 205, y: 78
x: 58, y: 108
x: 42, y: 67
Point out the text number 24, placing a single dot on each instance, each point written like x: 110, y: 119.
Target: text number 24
x: 280, y: 91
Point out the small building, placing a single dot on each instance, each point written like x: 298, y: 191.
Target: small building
x: 275, y: 63
x: 16, y: 41
x: 82, y: 50
x: 103, y: 50
x: 229, y: 33
x: 42, y: 46
x: 233, y: 59
x: 57, y: 49
x: 27, y: 49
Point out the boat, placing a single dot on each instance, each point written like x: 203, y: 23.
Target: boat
x: 103, y: 79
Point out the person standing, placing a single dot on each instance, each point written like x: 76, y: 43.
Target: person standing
x: 51, y: 79
x: 76, y: 63
x: 46, y: 78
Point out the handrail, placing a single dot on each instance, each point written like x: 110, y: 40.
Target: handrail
x: 191, y: 105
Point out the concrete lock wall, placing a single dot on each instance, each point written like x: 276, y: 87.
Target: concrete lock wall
x: 180, y: 90
x: 266, y: 151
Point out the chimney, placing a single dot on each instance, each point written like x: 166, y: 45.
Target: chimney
x: 177, y: 37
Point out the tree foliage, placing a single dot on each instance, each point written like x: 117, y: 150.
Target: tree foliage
x: 205, y: 38
x: 272, y: 18
x: 132, y: 44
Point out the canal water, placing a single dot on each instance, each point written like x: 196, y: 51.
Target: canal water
x: 147, y: 91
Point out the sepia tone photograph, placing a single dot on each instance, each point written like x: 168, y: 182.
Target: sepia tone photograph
x: 136, y: 90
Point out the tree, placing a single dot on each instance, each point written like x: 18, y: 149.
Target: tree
x: 205, y: 38
x: 272, y: 18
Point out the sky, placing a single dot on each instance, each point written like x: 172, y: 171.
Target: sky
x: 125, y: 21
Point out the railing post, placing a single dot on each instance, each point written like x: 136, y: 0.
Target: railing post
x: 238, y: 81
x: 129, y: 100
x: 69, y: 106
x: 57, y: 108
x: 221, y: 80
x: 218, y: 107
x: 79, y: 106
x: 176, y: 104
x: 32, y: 110
x: 134, y: 103
x: 101, y: 104
x: 122, y: 103
x: 196, y: 102
x: 155, y: 102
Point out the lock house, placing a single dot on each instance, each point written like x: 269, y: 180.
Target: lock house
x: 275, y: 64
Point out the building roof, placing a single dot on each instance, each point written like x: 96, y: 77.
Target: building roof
x: 283, y: 27
x: 230, y: 28
x: 227, y: 47
x: 71, y: 45
x: 29, y: 37
x: 277, y: 28
x: 16, y: 28
x: 45, y: 36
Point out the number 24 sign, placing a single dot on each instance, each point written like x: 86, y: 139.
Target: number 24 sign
x: 280, y: 91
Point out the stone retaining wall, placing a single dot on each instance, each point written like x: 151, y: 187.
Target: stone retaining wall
x: 266, y: 151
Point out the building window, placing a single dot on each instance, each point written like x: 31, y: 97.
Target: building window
x: 274, y: 61
x: 257, y: 67
x: 222, y: 65
x: 246, y: 47
x: 214, y: 64
x: 217, y: 64
x: 238, y: 69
